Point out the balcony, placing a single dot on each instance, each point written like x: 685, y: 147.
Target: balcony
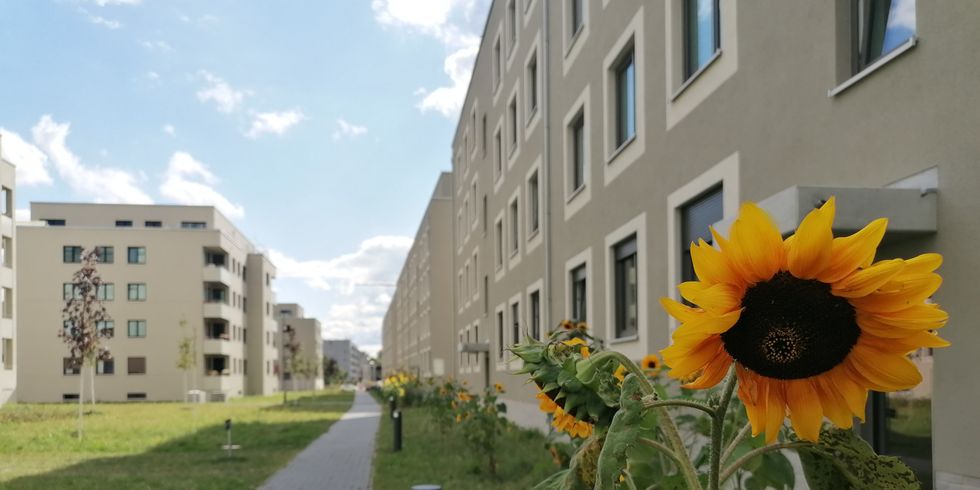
x: 218, y: 309
x: 221, y: 347
x: 218, y: 274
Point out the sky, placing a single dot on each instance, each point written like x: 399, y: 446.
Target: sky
x: 318, y: 127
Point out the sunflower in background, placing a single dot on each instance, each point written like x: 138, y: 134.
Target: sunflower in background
x: 811, y: 322
x: 561, y: 420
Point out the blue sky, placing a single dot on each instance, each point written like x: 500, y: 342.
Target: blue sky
x: 318, y: 127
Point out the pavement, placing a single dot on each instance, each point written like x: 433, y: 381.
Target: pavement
x: 338, y: 460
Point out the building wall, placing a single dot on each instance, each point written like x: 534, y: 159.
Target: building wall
x: 263, y: 338
x: 310, y: 340
x: 176, y: 277
x: 8, y: 290
x: 775, y: 108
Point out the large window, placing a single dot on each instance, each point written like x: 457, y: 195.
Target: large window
x: 625, y: 97
x: 701, y: 34
x: 626, y: 292
x: 515, y: 228
x: 106, y: 255
x: 105, y: 367
x: 577, y: 163
x: 696, y: 217
x: 105, y: 327
x: 497, y: 67
x: 512, y: 25
x: 880, y: 27
x: 136, y: 328
x: 136, y: 365
x: 579, y: 294
x: 576, y: 15
x: 72, y: 254
x: 499, y: 240
x: 136, y: 255
x: 534, y: 315
x: 70, y: 291
x: 515, y: 323
x: 498, y: 167
x: 532, y: 85
x: 512, y: 121
x: 71, y: 366
x: 106, y: 291
x: 136, y: 292
x: 533, y: 204
x: 500, y: 335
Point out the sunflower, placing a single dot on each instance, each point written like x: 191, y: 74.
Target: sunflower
x: 811, y: 322
x: 562, y: 420
x: 583, y: 349
x: 464, y: 396
x: 650, y: 362
x: 499, y: 387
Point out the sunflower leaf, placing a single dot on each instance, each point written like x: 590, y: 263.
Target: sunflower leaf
x: 623, y: 433
x: 841, y: 459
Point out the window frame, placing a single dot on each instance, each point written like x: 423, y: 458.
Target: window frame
x: 689, y: 71
x: 140, y: 257
x: 140, y: 329
x: 624, y: 251
x: 140, y: 288
x: 129, y: 365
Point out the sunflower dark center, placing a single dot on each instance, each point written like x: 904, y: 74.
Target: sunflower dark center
x: 792, y: 328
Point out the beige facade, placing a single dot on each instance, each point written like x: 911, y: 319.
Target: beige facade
x: 310, y: 338
x: 8, y: 279
x: 175, y: 272
x: 416, y: 326
x: 595, y: 144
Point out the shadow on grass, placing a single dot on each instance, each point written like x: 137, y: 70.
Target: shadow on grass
x: 194, y: 461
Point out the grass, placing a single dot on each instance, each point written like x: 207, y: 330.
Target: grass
x: 159, y: 445
x: 429, y: 456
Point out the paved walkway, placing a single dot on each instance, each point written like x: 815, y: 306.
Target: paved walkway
x: 338, y: 460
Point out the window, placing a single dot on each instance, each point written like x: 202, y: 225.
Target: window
x: 71, y: 367
x: 124, y: 223
x: 135, y: 396
x: 54, y: 222
x: 486, y: 295
x: 515, y: 228
x: 105, y: 367
x: 499, y: 229
x: 67, y: 397
x: 7, y: 202
x: 7, y: 252
x: 500, y: 336
x: 136, y: 365
x: 70, y: 291
x: 625, y: 283
x: 483, y: 138
x: 512, y: 24
x: 153, y: 224
x: 696, y: 217
x: 72, y: 254
x: 512, y: 120
x: 7, y: 354
x: 485, y: 214
x: 7, y: 307
x: 136, y: 292
x: 105, y: 254
x: 625, y: 98
x: 577, y: 170
x: 579, y: 294
x: 137, y: 328
x: 499, y: 155
x: 532, y: 85
x: 576, y: 15
x: 533, y: 204
x: 106, y: 291
x: 702, y: 37
x: 535, y: 315
x: 137, y: 255
x: 193, y: 225
x: 496, y: 65
x: 880, y: 26
x: 105, y: 327
x: 515, y: 320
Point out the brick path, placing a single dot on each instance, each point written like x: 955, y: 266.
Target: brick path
x: 338, y: 460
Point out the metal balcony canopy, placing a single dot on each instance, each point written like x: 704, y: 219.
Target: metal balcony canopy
x: 910, y: 212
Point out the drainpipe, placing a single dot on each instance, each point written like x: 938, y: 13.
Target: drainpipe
x: 546, y: 160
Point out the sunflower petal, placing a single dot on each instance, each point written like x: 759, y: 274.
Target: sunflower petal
x: 718, y: 299
x: 690, y: 289
x: 923, y: 264
x: 915, y: 317
x: 854, y: 395
x: 685, y: 361
x: 911, y: 291
x: 758, y: 252
x: 708, y: 325
x: 851, y: 252
x: 833, y: 404
x: 680, y: 311
x: 910, y: 342
x: 713, y: 373
x: 775, y: 408
x: 884, y: 371
x: 711, y: 265
x: 749, y: 391
x: 810, y: 253
x: 865, y: 281
x: 805, y: 410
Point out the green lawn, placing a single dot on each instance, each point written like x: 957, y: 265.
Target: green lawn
x: 159, y: 445
x: 428, y: 456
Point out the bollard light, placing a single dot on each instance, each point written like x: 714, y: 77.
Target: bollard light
x: 396, y: 418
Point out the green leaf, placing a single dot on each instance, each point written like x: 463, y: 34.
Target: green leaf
x: 553, y: 482
x: 623, y: 433
x: 841, y: 459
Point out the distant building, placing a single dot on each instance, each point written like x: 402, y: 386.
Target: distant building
x: 348, y: 357
x: 162, y: 265
x: 290, y: 315
x: 8, y: 308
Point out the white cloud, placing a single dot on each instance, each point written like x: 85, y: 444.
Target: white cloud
x: 903, y: 15
x: 349, y: 130
x: 22, y: 214
x: 169, y: 129
x: 449, y: 21
x: 103, y: 3
x: 102, y: 184
x: 31, y: 162
x: 156, y: 45
x: 274, y: 122
x: 226, y: 98
x: 353, y: 289
x: 188, y: 181
x: 102, y: 21
x: 152, y: 75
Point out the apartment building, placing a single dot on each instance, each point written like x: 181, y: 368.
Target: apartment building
x: 599, y: 138
x: 170, y: 272
x: 417, y: 322
x: 308, y: 335
x: 8, y: 308
x: 348, y: 357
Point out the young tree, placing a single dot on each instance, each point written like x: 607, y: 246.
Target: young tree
x: 330, y: 369
x: 290, y: 351
x: 186, y: 353
x: 86, y: 326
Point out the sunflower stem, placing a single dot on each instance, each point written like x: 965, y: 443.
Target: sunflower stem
x: 742, y: 434
x: 667, y: 424
x: 718, y: 427
x: 652, y: 402
x: 758, y: 452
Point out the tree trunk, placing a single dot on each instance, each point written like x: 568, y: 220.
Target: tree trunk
x: 81, y: 390
x: 91, y: 385
x: 185, y: 386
